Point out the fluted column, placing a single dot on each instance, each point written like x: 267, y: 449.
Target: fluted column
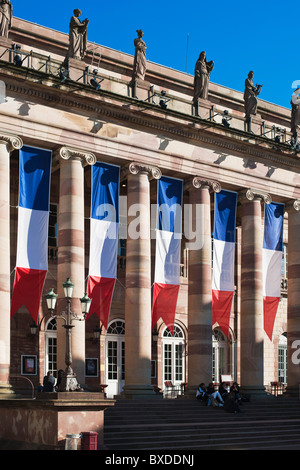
x: 252, y: 332
x: 7, y: 144
x: 71, y: 252
x: 138, y: 283
x: 293, y: 309
x: 199, y: 284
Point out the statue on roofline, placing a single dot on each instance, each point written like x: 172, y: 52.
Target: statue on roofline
x: 201, y: 79
x: 250, y: 96
x: 140, y: 62
x: 6, y: 13
x: 295, y: 116
x: 77, y: 36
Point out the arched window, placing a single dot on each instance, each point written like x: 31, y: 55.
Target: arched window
x: 177, y: 333
x: 116, y: 328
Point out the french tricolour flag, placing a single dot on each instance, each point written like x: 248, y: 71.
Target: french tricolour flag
x: 104, y: 231
x: 272, y: 262
x: 223, y: 257
x: 168, y: 248
x: 33, y: 222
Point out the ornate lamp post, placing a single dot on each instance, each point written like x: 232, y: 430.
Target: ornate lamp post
x: 68, y: 382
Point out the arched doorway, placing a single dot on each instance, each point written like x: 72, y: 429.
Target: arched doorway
x: 51, y: 347
x: 115, y: 358
x: 173, y: 348
x: 282, y: 350
x: 222, y: 355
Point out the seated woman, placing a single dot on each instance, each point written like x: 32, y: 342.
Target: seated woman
x: 214, y: 397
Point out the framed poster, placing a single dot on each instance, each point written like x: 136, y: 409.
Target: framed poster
x: 28, y: 365
x: 91, y: 367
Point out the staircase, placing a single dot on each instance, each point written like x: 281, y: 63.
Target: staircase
x: 186, y: 424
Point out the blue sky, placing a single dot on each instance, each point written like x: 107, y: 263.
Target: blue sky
x: 238, y: 36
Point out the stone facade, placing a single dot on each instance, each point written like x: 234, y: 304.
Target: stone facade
x: 70, y: 117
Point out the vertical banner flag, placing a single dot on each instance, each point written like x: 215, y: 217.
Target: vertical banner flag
x: 168, y: 250
x: 223, y: 258
x: 272, y: 262
x: 104, y: 231
x: 33, y: 223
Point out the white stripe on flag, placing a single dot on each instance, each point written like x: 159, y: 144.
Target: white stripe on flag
x: 223, y: 260
x: 272, y: 261
x: 167, y: 268
x: 103, y: 248
x: 32, y: 246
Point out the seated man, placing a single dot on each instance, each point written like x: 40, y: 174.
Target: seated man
x: 214, y: 397
x: 201, y: 392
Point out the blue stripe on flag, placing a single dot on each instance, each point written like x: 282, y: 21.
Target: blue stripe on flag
x: 35, y: 168
x: 273, y: 232
x: 169, y: 204
x: 225, y: 214
x: 105, y: 192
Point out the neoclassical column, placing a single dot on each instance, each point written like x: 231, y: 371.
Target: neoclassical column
x: 7, y: 144
x: 293, y: 308
x: 252, y: 329
x: 71, y: 259
x: 138, y: 310
x: 199, y: 283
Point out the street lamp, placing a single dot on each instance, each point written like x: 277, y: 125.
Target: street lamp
x: 68, y: 381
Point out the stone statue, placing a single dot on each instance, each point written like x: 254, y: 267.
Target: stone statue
x: 6, y: 13
x: 201, y: 79
x: 140, y: 63
x: 295, y: 116
x: 250, y: 96
x: 77, y: 36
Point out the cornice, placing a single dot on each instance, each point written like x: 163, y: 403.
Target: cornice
x: 107, y: 104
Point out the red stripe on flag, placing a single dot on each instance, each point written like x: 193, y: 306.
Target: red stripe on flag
x: 100, y: 290
x: 270, y: 310
x: 28, y: 286
x: 221, y: 308
x: 164, y: 304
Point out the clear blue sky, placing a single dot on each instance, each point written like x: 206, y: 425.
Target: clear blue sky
x: 239, y: 36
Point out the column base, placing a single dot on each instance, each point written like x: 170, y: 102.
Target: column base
x: 255, y: 392
x: 190, y: 392
x: 144, y: 392
x: 7, y: 392
x: 292, y: 391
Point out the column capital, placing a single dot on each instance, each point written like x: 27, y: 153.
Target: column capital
x: 15, y: 142
x: 198, y: 182
x: 67, y: 153
x: 255, y: 194
x: 135, y: 168
x: 293, y: 205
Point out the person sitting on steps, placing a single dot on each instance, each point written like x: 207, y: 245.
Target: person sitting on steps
x: 214, y: 397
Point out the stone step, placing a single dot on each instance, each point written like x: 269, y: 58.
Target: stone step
x: 188, y: 439
x: 187, y: 424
